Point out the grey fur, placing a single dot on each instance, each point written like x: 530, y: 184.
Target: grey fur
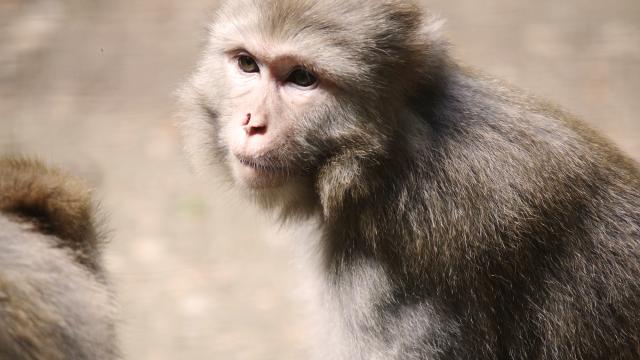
x: 55, y: 303
x: 459, y: 217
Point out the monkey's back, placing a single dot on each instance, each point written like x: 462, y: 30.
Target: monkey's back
x: 534, y: 216
x: 51, y: 307
x: 55, y: 302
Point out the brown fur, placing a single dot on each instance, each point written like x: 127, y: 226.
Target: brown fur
x: 53, y: 201
x: 459, y: 217
x: 55, y: 303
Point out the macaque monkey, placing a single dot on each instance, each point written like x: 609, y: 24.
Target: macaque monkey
x: 459, y: 217
x: 54, y: 298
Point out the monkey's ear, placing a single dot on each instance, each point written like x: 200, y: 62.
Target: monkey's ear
x: 430, y: 42
x: 432, y: 28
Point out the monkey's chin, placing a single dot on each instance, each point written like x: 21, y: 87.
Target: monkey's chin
x: 256, y: 177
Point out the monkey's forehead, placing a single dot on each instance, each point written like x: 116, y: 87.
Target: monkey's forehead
x: 339, y: 38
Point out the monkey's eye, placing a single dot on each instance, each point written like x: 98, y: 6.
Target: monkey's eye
x: 247, y: 64
x: 302, y: 77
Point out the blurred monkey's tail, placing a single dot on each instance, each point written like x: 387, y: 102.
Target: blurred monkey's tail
x: 52, y: 201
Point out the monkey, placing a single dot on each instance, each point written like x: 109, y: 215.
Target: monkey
x: 458, y: 217
x: 55, y: 298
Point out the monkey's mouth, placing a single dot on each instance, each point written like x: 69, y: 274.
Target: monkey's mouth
x: 263, y: 165
x: 260, y: 172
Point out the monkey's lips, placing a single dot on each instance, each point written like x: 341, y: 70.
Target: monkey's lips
x: 260, y: 172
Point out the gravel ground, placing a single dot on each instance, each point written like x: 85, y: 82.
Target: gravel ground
x: 199, y: 275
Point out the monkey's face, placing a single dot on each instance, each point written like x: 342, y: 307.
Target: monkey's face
x: 286, y: 87
x: 269, y: 96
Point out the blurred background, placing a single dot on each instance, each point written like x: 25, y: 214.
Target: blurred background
x: 89, y: 84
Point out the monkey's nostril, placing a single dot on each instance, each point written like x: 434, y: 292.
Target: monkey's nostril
x: 255, y: 130
x: 246, y: 120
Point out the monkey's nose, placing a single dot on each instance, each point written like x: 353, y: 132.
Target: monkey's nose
x: 254, y: 126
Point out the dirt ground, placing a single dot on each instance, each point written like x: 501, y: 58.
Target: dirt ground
x: 200, y: 275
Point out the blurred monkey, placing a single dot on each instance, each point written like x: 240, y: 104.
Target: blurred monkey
x: 54, y: 298
x: 460, y: 218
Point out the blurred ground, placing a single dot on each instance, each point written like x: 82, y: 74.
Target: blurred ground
x: 88, y: 84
